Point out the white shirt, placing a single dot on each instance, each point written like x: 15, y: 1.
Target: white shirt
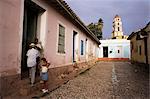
x: 32, y: 55
x: 44, y: 69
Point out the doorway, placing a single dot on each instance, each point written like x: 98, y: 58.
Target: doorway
x: 30, y: 23
x: 105, y: 51
x: 86, y: 49
x: 74, y: 46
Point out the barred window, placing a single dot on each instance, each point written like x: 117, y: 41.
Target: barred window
x: 118, y: 29
x: 61, y: 40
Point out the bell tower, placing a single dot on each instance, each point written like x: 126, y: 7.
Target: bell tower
x: 117, y: 32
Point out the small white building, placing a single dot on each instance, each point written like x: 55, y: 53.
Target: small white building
x: 118, y: 47
x: 114, y: 48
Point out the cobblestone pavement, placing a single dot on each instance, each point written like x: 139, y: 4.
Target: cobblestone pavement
x: 106, y: 80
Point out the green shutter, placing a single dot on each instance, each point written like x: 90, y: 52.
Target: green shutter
x: 61, y: 40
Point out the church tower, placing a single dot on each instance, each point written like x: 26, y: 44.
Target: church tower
x: 117, y: 32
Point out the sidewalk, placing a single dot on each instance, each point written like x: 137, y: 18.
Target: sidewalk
x: 57, y: 77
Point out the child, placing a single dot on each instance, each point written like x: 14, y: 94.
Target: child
x: 44, y: 74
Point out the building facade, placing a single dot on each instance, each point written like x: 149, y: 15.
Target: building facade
x: 117, y: 48
x: 140, y: 49
x: 114, y: 49
x: 63, y: 35
x: 117, y: 32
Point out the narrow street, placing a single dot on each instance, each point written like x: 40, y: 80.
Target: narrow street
x: 106, y: 80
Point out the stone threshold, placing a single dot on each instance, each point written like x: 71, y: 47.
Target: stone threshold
x: 113, y: 59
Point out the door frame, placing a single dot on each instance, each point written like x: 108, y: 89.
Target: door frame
x: 75, y: 46
x: 28, y: 4
x: 105, y: 48
x: 86, y: 49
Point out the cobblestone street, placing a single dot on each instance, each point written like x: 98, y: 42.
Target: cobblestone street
x: 106, y: 80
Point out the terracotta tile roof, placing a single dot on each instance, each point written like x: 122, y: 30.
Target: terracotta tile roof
x: 117, y: 16
x: 142, y: 32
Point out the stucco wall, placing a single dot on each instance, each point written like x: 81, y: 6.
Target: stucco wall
x: 113, y: 46
x: 53, y: 20
x: 10, y: 12
x: 148, y: 40
x: 11, y: 26
x: 135, y: 56
x: 149, y: 48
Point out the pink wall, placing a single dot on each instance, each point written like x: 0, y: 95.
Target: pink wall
x: 11, y: 26
x: 9, y: 32
x: 54, y: 19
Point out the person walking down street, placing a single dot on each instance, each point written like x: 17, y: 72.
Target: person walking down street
x: 44, y: 74
x: 32, y: 55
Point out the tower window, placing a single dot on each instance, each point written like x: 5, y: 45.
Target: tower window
x: 118, y: 23
x: 118, y: 29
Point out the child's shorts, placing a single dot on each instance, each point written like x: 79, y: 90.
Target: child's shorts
x: 44, y: 76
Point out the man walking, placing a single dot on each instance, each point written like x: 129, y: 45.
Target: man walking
x: 32, y: 55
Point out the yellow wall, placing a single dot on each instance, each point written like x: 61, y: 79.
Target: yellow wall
x: 135, y: 56
x: 148, y: 48
x: 148, y: 41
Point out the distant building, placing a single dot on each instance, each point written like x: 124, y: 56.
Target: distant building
x: 140, y: 47
x: 114, y: 49
x: 117, y: 32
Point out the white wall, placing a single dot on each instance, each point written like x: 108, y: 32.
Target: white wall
x: 114, y: 45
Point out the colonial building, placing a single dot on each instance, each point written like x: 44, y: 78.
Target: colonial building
x: 117, y: 48
x: 63, y: 35
x: 117, y: 32
x: 114, y: 49
x: 140, y: 48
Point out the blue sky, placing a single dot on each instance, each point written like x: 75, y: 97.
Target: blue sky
x: 135, y: 14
